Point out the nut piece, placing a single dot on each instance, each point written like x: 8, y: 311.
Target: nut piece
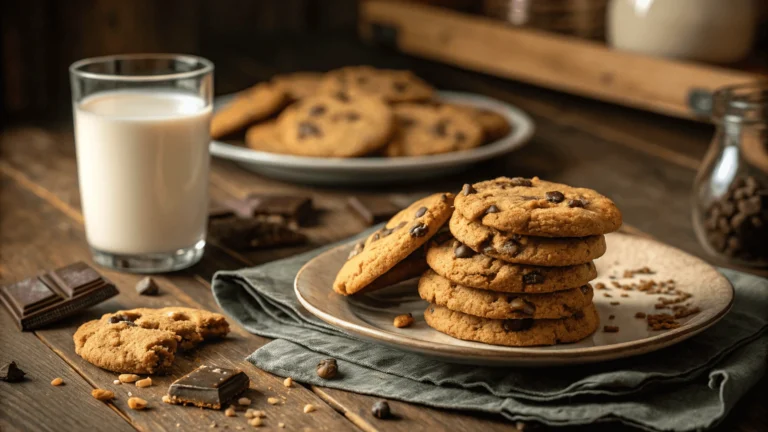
x: 166, y: 399
x: 255, y: 422
x: 381, y: 410
x: 57, y: 382
x: 327, y: 368
x: 252, y: 413
x: 308, y: 408
x: 137, y: 403
x: 116, y: 382
x: 146, y: 382
x: 230, y: 412
x: 102, y: 395
x: 402, y: 321
x: 281, y: 425
x: 128, y: 378
x: 288, y: 382
x: 244, y: 401
x: 273, y: 401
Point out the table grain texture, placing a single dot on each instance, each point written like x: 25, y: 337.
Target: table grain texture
x: 646, y: 163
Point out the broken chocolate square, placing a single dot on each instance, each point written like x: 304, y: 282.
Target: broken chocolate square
x: 208, y: 387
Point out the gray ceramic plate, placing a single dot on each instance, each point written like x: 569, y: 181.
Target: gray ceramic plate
x: 370, y: 316
x: 368, y: 171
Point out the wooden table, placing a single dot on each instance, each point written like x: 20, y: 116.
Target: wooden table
x: 645, y: 163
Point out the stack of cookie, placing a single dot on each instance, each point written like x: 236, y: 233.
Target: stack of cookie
x: 516, y: 272
x: 354, y: 112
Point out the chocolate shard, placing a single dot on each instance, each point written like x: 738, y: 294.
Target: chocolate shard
x: 208, y: 387
x: 11, y: 373
x: 147, y: 286
x: 53, y: 295
x: 372, y: 210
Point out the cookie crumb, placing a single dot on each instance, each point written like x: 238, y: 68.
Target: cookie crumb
x: 624, y: 295
x: 244, y: 401
x: 600, y: 286
x: 166, y: 399
x: 255, y: 422
x: 607, y: 295
x: 402, y: 321
x: 230, y: 411
x: 611, y: 329
x: 128, y: 378
x: 288, y: 382
x: 137, y: 403
x: 308, y: 408
x: 130, y: 394
x: 273, y: 401
x: 57, y: 382
x: 102, y: 395
x: 146, y: 382
x: 642, y: 270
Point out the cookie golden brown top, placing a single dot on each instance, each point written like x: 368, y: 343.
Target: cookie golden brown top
x: 538, y: 208
x: 428, y: 129
x: 389, y: 85
x: 299, y: 85
x: 406, y: 232
x: 249, y: 106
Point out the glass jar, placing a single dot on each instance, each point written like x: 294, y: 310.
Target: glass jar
x: 730, y: 202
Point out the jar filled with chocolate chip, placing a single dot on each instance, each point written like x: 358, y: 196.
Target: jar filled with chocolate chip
x: 730, y: 205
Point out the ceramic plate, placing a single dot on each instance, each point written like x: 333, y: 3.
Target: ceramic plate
x: 370, y: 316
x: 360, y: 171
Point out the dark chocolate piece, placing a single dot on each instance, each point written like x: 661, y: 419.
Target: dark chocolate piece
x: 373, y: 210
x: 290, y: 208
x: 11, y: 373
x: 147, y: 286
x: 254, y: 233
x: 208, y: 387
x: 56, y: 294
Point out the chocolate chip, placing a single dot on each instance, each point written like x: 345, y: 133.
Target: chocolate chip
x: 421, y: 211
x: 362, y: 79
x: 519, y: 305
x: 578, y: 202
x: 352, y: 116
x: 441, y: 128
x: 532, y: 278
x: 463, y: 251
x: 555, y: 197
x: 381, y: 410
x: 443, y: 197
x: 400, y: 86
x: 308, y: 129
x: 317, y: 110
x: 520, y: 181
x: 405, y: 122
x: 487, y: 245
x: 584, y: 289
x: 11, y: 373
x: 461, y: 137
x: 114, y: 319
x: 492, y: 209
x: 147, y: 286
x: 376, y: 236
x: 467, y: 189
x: 343, y: 97
x: 432, y: 309
x: 510, y: 247
x: 516, y: 325
x: 327, y: 368
x: 419, y: 230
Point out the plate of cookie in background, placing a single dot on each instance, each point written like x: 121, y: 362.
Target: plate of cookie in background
x: 514, y: 272
x: 360, y: 125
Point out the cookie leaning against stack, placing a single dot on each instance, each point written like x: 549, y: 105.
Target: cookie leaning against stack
x: 517, y: 272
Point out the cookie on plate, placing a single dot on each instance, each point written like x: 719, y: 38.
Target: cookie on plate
x: 264, y: 137
x: 404, y: 234
x: 521, y: 249
x: 514, y: 332
x: 299, y: 85
x: 499, y: 305
x: 331, y: 126
x: 538, y: 208
x: 462, y: 265
x: 249, y: 106
x: 389, y: 85
x: 494, y: 125
x: 429, y: 129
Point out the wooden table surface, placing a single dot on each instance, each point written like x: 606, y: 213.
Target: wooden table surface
x: 645, y: 163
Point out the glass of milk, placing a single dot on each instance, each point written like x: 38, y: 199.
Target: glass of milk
x: 142, y: 133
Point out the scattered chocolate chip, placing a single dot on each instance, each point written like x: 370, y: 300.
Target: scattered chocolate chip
x: 520, y: 181
x: 308, y: 129
x: 463, y: 251
x: 532, y: 278
x: 555, y: 197
x: 419, y: 230
x: 578, y: 202
x: 317, y: 110
x: 421, y: 212
x: 492, y: 209
x: 381, y: 410
x: 467, y: 189
x: 516, y: 325
x: 327, y: 368
x: 147, y: 286
x: 519, y: 305
x: 441, y: 128
x: 11, y: 373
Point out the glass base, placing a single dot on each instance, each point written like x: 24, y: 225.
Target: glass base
x: 150, y: 263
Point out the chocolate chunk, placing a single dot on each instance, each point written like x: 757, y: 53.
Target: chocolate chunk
x: 317, y: 110
x: 532, y: 278
x: 308, y: 129
x: 257, y: 232
x: 56, y: 294
x: 119, y: 318
x: 147, y: 286
x: 372, y: 210
x: 555, y: 197
x: 467, y: 189
x: 492, y: 209
x: 519, y: 305
x: 381, y: 410
x: 516, y: 325
x: 11, y: 373
x: 520, y: 181
x: 289, y: 208
x: 441, y: 128
x: 327, y: 368
x: 208, y: 387
x: 578, y: 202
x: 421, y: 212
x: 463, y: 251
x: 419, y: 230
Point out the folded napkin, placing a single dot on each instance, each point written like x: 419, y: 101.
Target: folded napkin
x: 689, y: 386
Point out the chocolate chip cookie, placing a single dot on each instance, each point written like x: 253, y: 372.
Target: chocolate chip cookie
x: 428, y: 129
x: 404, y: 234
x: 389, y: 85
x: 249, y: 106
x: 515, y: 332
x: 264, y: 137
x: 498, y: 305
x: 538, y: 208
x: 494, y: 125
x: 330, y: 126
x: 521, y: 249
x: 299, y: 85
x: 460, y: 264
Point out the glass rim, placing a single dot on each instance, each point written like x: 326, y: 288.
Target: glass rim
x: 76, y: 68
x: 724, y: 94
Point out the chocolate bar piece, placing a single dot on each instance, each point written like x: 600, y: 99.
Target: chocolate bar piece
x: 208, y: 387
x: 254, y: 233
x: 288, y: 208
x: 56, y: 294
x: 373, y: 210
